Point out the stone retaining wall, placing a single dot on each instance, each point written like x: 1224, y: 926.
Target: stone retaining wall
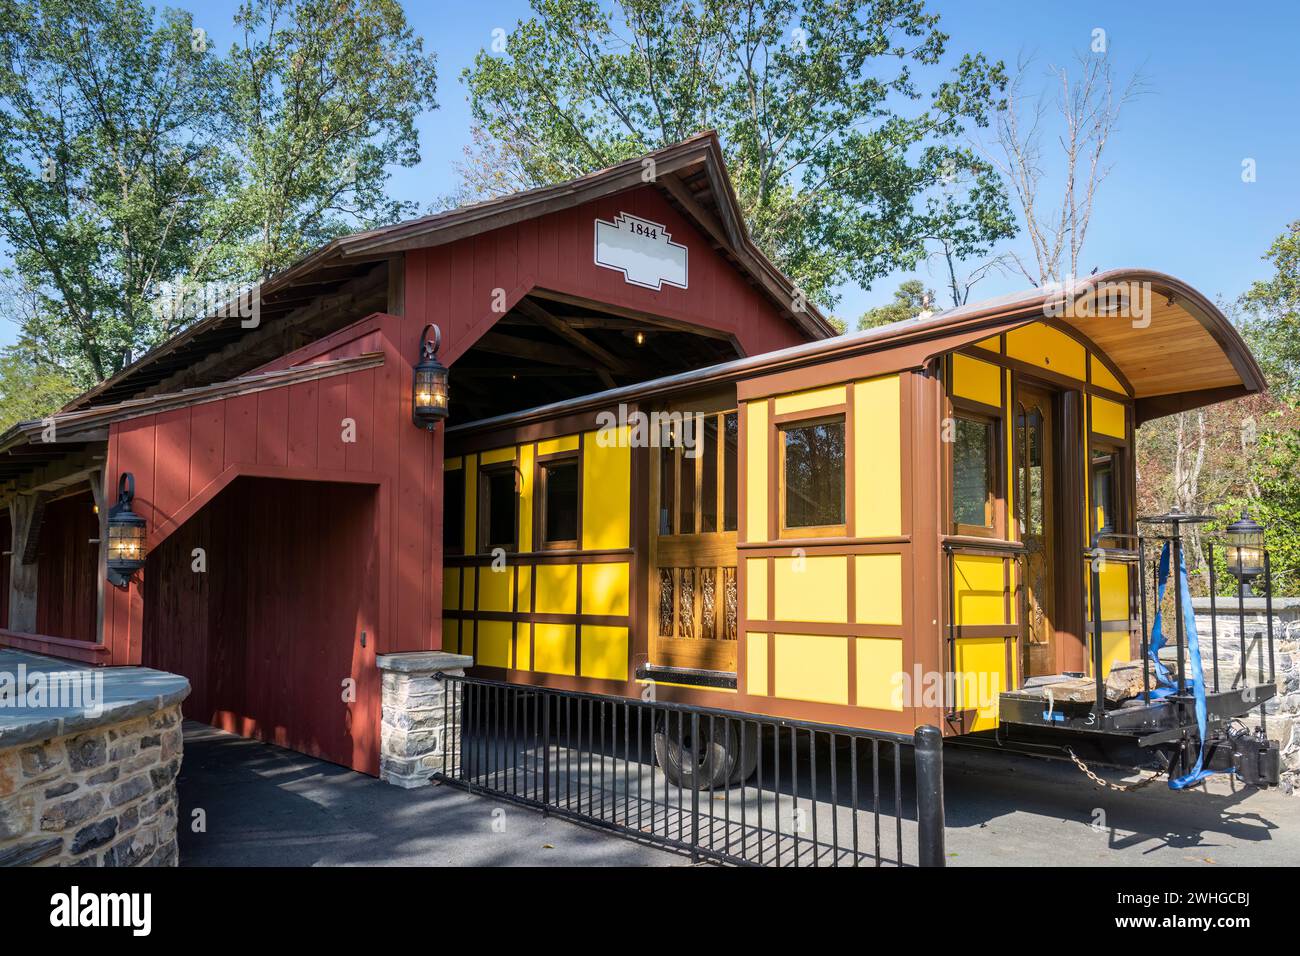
x: 106, y: 797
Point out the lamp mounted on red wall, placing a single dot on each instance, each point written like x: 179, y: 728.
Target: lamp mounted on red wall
x: 126, y: 535
x: 429, y: 386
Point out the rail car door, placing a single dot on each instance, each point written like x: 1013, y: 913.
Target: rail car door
x: 1035, y: 518
x: 693, y: 545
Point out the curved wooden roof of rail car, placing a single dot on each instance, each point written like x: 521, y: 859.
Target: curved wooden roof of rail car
x: 1189, y: 342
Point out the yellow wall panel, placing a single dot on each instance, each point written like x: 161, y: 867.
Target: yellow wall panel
x: 976, y: 380
x: 1103, y: 376
x: 812, y: 589
x: 981, y: 677
x: 1114, y: 592
x: 452, y: 464
x: 557, y: 589
x: 993, y: 344
x: 755, y: 473
x: 604, y: 589
x: 606, y: 493
x: 756, y: 589
x: 978, y: 589
x: 811, y: 399
x: 553, y: 446
x: 878, y: 446
x: 1049, y: 348
x: 554, y: 648
x: 496, y: 589
x: 525, y: 497
x: 878, y: 583
x: 494, y: 639
x: 1107, y: 417
x: 756, y: 664
x: 813, y: 668
x: 604, y: 652
x: 497, y: 455
x: 451, y: 589
x: 880, y: 669
x: 471, y: 502
x: 1114, y: 649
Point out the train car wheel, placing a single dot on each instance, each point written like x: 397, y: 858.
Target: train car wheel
x: 705, y: 763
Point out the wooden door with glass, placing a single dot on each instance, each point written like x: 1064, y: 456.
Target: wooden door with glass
x: 693, y: 545
x: 1033, y: 454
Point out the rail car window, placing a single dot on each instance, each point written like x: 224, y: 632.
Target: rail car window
x: 499, y: 503
x: 973, y: 448
x: 1103, y: 491
x: 697, y: 486
x: 812, y: 473
x: 559, y: 492
x: 453, y: 511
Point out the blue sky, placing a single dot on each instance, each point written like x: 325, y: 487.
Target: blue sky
x: 1222, y: 87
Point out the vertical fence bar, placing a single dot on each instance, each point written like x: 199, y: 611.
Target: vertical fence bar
x: 1268, y: 615
x: 1241, y: 623
x: 1214, y: 618
x: 1176, y: 572
x: 1142, y: 601
x: 1098, y: 663
x: 928, y: 742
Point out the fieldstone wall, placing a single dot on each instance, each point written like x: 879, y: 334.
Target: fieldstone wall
x: 105, y: 797
x: 418, y: 719
x: 1281, y: 713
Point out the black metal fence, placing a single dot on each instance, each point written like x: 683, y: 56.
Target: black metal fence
x: 817, y: 795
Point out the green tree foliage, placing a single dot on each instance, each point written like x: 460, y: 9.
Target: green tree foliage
x: 106, y: 159
x: 1273, y: 310
x: 29, y: 391
x: 134, y: 154
x: 1272, y: 328
x: 910, y: 300
x: 837, y: 154
x: 321, y: 98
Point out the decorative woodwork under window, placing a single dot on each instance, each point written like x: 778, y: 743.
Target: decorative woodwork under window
x: 695, y: 544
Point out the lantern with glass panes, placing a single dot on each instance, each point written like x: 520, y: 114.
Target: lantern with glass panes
x: 429, y: 384
x: 126, y: 535
x: 1244, y: 551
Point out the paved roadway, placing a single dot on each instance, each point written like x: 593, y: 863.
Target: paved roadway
x: 268, y: 806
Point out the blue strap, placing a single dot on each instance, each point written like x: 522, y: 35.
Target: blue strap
x: 1197, y: 773
x: 1164, y: 680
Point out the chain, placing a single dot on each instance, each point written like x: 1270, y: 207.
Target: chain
x: 1129, y: 788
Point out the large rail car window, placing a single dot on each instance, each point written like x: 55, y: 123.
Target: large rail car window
x: 974, y: 446
x: 697, y: 486
x: 813, y: 474
x: 498, y: 508
x: 453, y: 511
x: 558, y: 486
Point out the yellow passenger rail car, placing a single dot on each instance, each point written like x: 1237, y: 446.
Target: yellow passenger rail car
x: 882, y: 530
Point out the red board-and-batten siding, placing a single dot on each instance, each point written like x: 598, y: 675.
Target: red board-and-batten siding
x: 181, y: 458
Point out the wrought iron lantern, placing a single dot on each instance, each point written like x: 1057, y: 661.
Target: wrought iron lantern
x: 126, y: 535
x: 429, y: 385
x: 1245, y: 551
